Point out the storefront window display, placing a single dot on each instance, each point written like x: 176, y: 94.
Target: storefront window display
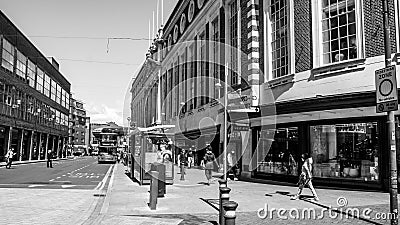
x: 280, y: 157
x: 345, y: 151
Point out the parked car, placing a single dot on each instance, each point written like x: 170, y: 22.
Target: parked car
x: 95, y: 152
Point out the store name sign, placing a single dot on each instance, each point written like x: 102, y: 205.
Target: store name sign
x: 386, y: 89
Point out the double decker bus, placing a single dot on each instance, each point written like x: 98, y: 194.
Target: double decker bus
x: 108, y: 139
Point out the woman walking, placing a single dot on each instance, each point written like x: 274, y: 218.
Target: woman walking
x: 209, y: 160
x: 305, y: 177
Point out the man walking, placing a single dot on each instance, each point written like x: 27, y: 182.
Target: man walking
x: 49, y: 159
x: 232, y: 168
x: 9, y: 157
x: 305, y: 177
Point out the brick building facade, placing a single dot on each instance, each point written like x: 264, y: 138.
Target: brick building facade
x: 308, y: 65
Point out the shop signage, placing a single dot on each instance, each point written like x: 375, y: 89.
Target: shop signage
x: 386, y: 89
x: 241, y: 128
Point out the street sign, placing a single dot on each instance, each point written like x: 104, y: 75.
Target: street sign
x: 386, y: 89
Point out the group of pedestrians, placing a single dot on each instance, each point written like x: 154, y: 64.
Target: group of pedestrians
x: 10, y: 155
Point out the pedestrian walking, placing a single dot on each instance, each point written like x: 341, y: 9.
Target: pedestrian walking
x: 232, y: 160
x: 190, y: 159
x: 208, y: 163
x: 183, y: 161
x: 305, y: 177
x: 9, y: 157
x: 49, y: 159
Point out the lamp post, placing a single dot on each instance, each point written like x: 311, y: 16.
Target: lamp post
x: 225, y: 103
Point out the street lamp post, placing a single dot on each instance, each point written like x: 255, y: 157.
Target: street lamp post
x: 225, y: 103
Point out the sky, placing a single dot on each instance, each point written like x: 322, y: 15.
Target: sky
x: 76, y: 32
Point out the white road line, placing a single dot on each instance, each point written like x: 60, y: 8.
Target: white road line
x: 103, y: 182
x: 106, y: 203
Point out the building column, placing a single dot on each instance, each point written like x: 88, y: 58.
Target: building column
x: 59, y: 147
x: 39, y: 147
x: 20, y: 144
x: 8, y: 138
x: 54, y: 146
x: 31, y: 145
x: 47, y: 147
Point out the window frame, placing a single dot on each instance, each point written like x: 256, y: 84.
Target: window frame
x: 317, y: 36
x: 268, y: 43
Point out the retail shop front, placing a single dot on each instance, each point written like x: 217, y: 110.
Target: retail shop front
x: 347, y: 145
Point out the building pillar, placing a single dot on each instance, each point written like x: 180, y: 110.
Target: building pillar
x: 39, y: 147
x: 31, y: 145
x: 8, y: 138
x: 20, y: 148
x: 54, y: 150
x: 59, y: 147
x: 47, y: 147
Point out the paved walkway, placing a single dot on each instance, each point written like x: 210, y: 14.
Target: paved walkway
x: 186, y: 202
x: 190, y: 201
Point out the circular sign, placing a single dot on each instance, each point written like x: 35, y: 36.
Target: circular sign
x: 381, y: 107
x: 386, y: 87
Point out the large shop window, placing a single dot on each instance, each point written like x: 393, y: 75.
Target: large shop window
x: 348, y: 151
x: 283, y: 152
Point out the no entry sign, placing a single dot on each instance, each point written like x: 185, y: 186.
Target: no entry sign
x: 386, y: 89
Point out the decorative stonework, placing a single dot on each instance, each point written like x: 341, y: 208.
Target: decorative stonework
x: 191, y: 11
x: 169, y: 42
x: 200, y: 3
x: 182, y: 25
x: 176, y: 33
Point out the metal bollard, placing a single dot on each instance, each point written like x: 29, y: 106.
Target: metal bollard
x: 222, y: 184
x: 153, y: 190
x: 182, y: 172
x: 223, y: 199
x: 230, y: 212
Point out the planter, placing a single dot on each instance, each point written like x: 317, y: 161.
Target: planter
x: 346, y: 171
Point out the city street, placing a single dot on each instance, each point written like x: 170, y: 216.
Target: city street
x: 78, y: 173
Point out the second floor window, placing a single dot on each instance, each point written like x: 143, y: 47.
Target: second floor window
x: 21, y: 65
x: 339, y: 31
x: 7, y: 60
x: 338, y: 35
x: 233, y: 23
x: 279, y: 38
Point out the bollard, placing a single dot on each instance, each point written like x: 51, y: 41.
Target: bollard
x: 223, y: 199
x: 222, y: 184
x: 230, y: 214
x: 182, y: 172
x: 153, y: 190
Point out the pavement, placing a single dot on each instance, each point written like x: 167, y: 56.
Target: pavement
x: 123, y: 201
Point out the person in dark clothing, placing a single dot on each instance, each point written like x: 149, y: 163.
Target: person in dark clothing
x: 49, y: 159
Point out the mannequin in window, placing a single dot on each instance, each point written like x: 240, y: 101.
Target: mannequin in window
x: 353, y: 48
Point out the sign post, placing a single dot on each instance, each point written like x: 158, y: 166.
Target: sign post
x: 386, y: 89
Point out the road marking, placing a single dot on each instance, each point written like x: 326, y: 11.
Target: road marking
x: 103, y: 182
x: 51, y: 180
x: 67, y: 186
x: 58, y: 177
x: 36, y: 185
x: 64, y: 175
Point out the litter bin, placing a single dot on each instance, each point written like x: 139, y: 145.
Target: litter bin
x: 160, y: 168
